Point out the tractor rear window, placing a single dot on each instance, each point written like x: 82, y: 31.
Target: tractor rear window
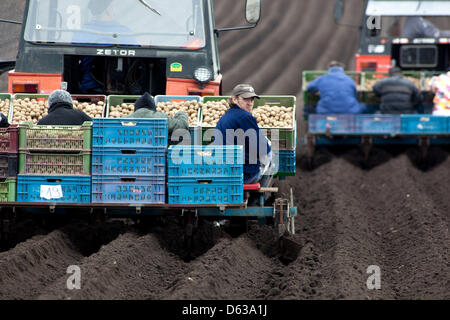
x: 160, y: 23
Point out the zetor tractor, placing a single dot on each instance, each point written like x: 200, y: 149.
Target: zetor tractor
x: 386, y: 38
x: 164, y: 47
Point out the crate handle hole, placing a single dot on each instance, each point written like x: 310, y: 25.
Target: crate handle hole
x: 128, y: 151
x: 204, y: 181
x: 128, y: 124
x: 54, y: 180
x: 128, y: 179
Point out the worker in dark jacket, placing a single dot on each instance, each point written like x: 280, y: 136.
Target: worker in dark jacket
x: 61, y: 111
x: 398, y: 95
x: 3, y: 121
x: 257, y: 159
x: 145, y: 107
x: 337, y: 91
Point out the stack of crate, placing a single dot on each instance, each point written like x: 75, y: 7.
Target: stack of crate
x: 54, y: 163
x: 283, y: 139
x: 205, y: 174
x: 9, y: 138
x: 129, y: 160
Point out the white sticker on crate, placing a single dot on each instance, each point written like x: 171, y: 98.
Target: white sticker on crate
x: 51, y: 192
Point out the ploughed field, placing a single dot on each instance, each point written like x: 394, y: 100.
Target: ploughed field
x: 392, y: 213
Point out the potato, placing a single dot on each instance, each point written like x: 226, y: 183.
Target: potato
x: 93, y: 110
x: 120, y: 110
x: 4, y: 106
x: 189, y: 107
x: 29, y: 110
x: 274, y: 116
x: 212, y: 111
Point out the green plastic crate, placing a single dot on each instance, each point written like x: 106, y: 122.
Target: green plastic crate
x: 32, y: 163
x: 55, y: 138
x: 43, y: 97
x: 3, y: 97
x: 286, y: 135
x: 114, y: 100
x: 286, y: 139
x: 8, y: 190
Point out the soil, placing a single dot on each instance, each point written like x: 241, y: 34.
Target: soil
x: 391, y: 211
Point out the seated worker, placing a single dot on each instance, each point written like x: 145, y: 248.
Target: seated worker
x: 145, y: 107
x: 337, y: 90
x: 398, y: 95
x: 3, y: 121
x: 257, y: 159
x: 105, y: 20
x: 61, y: 111
x: 418, y: 27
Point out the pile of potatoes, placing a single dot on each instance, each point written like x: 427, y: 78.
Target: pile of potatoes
x: 212, y: 111
x: 120, y: 110
x: 274, y: 116
x: 189, y: 107
x: 267, y: 116
x: 29, y: 110
x: 93, y: 110
x: 4, y: 106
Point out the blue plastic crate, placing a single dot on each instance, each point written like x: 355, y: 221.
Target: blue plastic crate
x: 115, y: 189
x: 205, y: 161
x: 69, y: 189
x: 378, y: 124
x: 126, y: 162
x: 423, y: 123
x: 338, y: 124
x: 284, y: 161
x: 219, y: 190
x: 129, y: 132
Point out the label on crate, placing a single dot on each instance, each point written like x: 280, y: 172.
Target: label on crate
x: 51, y: 192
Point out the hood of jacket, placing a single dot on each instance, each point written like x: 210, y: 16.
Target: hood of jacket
x: 145, y: 101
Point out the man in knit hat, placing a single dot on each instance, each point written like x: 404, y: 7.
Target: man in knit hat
x: 145, y: 107
x: 61, y: 111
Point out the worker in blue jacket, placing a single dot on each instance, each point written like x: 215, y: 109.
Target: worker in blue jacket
x: 257, y: 151
x: 338, y: 92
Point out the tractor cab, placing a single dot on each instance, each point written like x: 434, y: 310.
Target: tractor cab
x: 120, y: 47
x: 413, y: 35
